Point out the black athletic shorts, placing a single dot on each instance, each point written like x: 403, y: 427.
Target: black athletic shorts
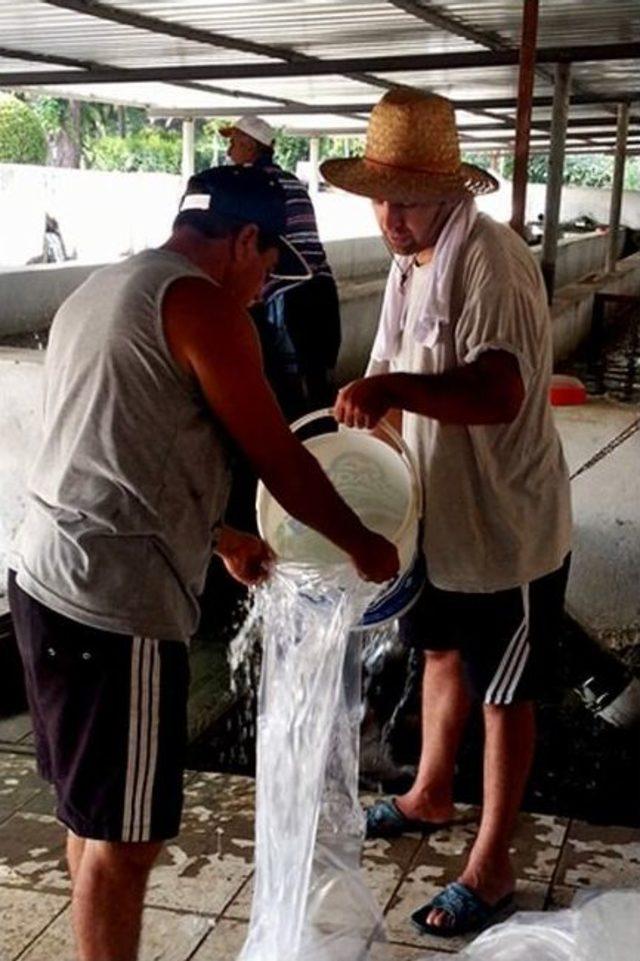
x: 109, y: 719
x: 506, y: 639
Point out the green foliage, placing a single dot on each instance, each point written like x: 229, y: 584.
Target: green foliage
x: 538, y: 168
x: 478, y: 157
x: 52, y: 112
x: 22, y: 136
x: 341, y: 147
x: 289, y: 149
x: 580, y: 170
x: 148, y: 149
x: 632, y: 174
x: 589, y: 170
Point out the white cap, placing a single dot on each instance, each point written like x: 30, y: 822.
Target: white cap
x: 254, y: 127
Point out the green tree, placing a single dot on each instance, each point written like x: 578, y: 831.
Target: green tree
x: 22, y: 136
x: 149, y: 149
x: 580, y: 170
x: 538, y: 168
x: 289, y: 149
x: 341, y: 147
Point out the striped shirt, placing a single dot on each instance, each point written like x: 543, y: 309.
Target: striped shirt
x: 301, y: 231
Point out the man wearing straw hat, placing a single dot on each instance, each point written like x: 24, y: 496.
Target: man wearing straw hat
x: 464, y: 351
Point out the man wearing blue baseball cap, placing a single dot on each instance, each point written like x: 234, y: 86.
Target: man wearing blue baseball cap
x: 153, y: 375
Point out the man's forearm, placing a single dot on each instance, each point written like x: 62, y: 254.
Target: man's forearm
x: 464, y: 395
x: 306, y: 493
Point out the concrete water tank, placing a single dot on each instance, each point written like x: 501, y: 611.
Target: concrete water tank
x: 21, y: 379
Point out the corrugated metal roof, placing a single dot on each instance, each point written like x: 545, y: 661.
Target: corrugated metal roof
x: 51, y: 37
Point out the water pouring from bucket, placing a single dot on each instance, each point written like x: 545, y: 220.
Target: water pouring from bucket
x: 377, y: 477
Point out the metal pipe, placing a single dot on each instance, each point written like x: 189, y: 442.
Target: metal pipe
x: 314, y: 164
x: 554, y: 177
x: 390, y: 64
x: 188, y: 148
x: 523, y: 118
x: 616, y: 187
x: 365, y: 107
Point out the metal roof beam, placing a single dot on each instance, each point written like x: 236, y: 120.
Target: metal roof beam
x: 430, y: 14
x: 29, y: 57
x: 496, y: 103
x: 413, y: 62
x: 105, y: 11
x: 577, y: 122
x: 451, y: 24
x: 129, y: 18
x: 91, y: 65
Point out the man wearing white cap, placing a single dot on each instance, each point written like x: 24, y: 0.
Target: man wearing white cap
x: 464, y: 352
x: 299, y: 322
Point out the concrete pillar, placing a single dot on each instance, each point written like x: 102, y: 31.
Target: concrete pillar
x: 616, y: 187
x: 188, y: 148
x: 314, y: 163
x: 523, y: 117
x: 559, y: 117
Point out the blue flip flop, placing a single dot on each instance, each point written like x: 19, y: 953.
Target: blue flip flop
x: 468, y: 911
x: 386, y: 820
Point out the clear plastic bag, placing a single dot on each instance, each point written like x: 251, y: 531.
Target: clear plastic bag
x: 310, y: 900
x: 608, y: 926
x: 600, y: 926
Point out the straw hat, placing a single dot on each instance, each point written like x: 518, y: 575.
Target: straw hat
x: 412, y: 153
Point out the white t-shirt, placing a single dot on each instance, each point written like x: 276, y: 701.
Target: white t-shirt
x: 496, y: 497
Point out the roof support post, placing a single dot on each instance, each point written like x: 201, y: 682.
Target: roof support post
x: 314, y: 163
x: 523, y: 118
x: 554, y: 178
x: 616, y: 187
x: 188, y: 148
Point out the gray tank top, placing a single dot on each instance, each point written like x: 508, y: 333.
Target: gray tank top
x: 132, y: 475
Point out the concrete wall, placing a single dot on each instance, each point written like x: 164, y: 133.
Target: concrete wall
x: 573, y: 304
x: 577, y: 201
x: 102, y: 214
x: 20, y: 409
x: 29, y: 296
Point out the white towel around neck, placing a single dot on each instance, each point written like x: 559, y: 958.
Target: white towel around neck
x: 435, y: 309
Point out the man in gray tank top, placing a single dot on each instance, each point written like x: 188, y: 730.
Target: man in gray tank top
x: 153, y: 373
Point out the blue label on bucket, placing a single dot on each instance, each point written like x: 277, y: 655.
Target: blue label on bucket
x: 399, y: 597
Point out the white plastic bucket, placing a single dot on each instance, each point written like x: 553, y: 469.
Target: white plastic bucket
x: 379, y: 481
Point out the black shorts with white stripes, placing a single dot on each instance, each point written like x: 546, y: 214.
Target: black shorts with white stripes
x: 506, y: 639
x: 109, y: 720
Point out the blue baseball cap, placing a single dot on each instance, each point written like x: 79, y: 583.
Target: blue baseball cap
x: 247, y: 195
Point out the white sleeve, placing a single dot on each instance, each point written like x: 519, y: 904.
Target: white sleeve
x: 501, y: 317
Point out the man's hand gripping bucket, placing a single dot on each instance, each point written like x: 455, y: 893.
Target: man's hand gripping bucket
x: 376, y: 475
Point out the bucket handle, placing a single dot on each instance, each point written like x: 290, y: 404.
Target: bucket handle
x: 393, y: 435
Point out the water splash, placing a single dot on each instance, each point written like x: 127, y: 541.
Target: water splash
x: 310, y: 900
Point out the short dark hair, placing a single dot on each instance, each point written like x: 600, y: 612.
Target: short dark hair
x: 211, y: 225
x: 265, y: 152
x: 216, y: 226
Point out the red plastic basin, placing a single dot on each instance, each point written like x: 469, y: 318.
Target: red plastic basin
x: 566, y: 390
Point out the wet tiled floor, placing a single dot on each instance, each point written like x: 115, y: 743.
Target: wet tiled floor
x: 199, y: 897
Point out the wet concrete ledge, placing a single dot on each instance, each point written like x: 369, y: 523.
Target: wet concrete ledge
x: 572, y: 308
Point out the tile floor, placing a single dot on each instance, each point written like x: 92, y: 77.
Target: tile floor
x: 199, y: 895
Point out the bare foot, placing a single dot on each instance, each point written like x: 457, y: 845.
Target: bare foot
x: 418, y: 807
